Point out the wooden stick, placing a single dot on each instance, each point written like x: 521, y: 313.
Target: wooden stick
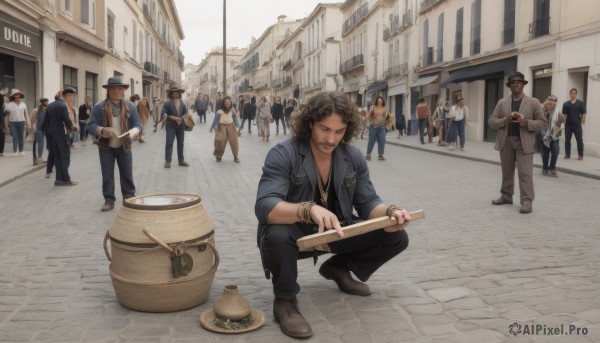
x: 308, y: 242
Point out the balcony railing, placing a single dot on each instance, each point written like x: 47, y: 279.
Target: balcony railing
x: 352, y: 63
x: 539, y: 27
x: 407, y: 18
x: 386, y: 33
x: 355, y: 18
x: 288, y: 65
x: 427, y: 4
x: 287, y: 81
x: 151, y: 68
x: 395, y: 23
x: 276, y: 82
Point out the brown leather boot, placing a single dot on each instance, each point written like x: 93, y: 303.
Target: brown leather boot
x: 343, y: 279
x: 291, y: 322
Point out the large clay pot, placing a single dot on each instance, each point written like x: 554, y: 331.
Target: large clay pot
x: 145, y: 236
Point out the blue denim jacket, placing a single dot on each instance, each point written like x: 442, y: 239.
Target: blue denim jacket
x: 289, y: 174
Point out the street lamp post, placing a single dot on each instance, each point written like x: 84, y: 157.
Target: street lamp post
x: 224, y: 47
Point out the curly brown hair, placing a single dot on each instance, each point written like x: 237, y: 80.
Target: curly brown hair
x: 323, y: 105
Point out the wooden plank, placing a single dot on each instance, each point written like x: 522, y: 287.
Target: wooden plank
x: 308, y: 242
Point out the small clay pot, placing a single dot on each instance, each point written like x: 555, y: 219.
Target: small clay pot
x: 231, y: 305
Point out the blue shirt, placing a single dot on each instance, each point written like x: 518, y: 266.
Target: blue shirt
x: 573, y: 112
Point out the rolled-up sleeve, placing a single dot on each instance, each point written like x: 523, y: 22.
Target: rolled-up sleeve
x: 274, y: 183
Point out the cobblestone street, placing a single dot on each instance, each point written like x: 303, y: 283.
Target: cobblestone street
x: 471, y: 270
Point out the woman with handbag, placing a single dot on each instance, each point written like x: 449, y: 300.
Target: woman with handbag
x: 226, y: 124
x: 378, y: 116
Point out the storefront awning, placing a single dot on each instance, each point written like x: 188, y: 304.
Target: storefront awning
x: 425, y: 80
x: 377, y: 86
x: 398, y: 89
x: 482, y: 71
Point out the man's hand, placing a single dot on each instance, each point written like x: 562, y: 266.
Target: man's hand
x: 107, y: 132
x: 326, y: 220
x: 403, y: 219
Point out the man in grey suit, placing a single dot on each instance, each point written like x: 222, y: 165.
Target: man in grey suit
x: 517, y: 118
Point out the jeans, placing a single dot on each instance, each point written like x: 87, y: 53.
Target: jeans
x: 17, y: 130
x: 249, y: 124
x: 38, y: 144
x: 107, y: 164
x: 362, y: 255
x: 376, y: 134
x: 173, y: 132
x: 452, y: 131
x: 569, y: 131
x: 50, y: 161
x: 277, y: 119
x: 550, y: 154
x: 82, y: 131
x: 422, y: 123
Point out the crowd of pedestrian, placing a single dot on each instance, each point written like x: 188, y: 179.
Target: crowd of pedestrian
x: 523, y: 125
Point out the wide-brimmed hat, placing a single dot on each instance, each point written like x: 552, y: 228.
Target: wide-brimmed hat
x: 174, y: 87
x: 516, y: 76
x: 115, y: 81
x: 16, y: 91
x: 68, y: 89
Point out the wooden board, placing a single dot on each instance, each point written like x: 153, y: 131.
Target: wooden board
x: 308, y: 242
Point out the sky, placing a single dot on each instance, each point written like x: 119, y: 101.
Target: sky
x: 202, y: 22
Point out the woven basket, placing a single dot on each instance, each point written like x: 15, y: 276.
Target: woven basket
x: 143, y: 238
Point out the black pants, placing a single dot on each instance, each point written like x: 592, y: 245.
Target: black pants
x: 201, y: 114
x: 362, y: 255
x: 59, y: 147
x: 2, y: 136
x: 569, y: 131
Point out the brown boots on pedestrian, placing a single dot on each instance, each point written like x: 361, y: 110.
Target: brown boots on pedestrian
x: 526, y: 206
x: 504, y: 199
x: 291, y: 321
x: 38, y: 161
x: 343, y: 279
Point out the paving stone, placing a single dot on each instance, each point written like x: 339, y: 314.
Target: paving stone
x: 521, y: 314
x: 424, y: 309
x: 481, y: 313
x: 448, y: 294
x: 468, y: 337
x: 592, y: 316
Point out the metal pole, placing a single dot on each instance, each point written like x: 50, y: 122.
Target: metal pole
x: 224, y: 48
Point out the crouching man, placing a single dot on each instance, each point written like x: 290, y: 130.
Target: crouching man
x: 310, y: 183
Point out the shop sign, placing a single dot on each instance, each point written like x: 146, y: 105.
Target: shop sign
x: 18, y: 36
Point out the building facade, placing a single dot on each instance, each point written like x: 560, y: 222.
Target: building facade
x: 47, y: 45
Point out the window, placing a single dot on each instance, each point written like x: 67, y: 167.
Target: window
x: 110, y: 28
x: 391, y: 55
x: 69, y: 77
x: 426, y: 60
x: 475, y: 27
x: 141, y: 40
x: 125, y: 39
x: 458, y: 48
x: 541, y: 18
x: 440, y: 38
x: 67, y: 5
x: 134, y: 35
x: 508, y: 35
x: 91, y: 86
x: 88, y: 13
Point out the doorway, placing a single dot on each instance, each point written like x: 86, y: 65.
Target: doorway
x: 493, y: 93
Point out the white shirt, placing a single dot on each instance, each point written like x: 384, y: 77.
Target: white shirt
x: 459, y: 112
x: 16, y: 112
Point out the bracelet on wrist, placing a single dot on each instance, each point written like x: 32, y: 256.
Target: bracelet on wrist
x: 391, y: 209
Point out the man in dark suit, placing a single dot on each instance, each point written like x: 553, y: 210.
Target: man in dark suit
x: 517, y: 118
x: 57, y: 120
x: 173, y: 112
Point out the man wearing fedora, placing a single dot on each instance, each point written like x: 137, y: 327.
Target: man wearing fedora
x: 517, y: 118
x: 17, y: 120
x: 56, y: 122
x: 173, y: 111
x: 115, y: 123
